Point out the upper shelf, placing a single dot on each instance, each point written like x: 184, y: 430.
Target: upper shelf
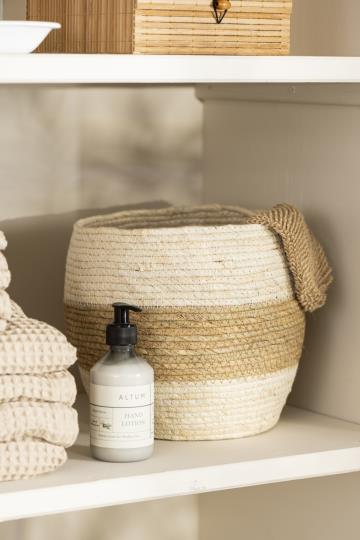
x: 138, y: 69
x: 302, y: 445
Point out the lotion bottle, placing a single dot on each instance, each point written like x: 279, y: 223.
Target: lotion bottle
x: 121, y: 396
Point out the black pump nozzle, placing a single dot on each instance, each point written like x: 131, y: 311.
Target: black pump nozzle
x: 121, y: 312
x: 120, y: 331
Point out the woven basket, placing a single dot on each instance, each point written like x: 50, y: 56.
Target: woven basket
x: 223, y: 321
x: 246, y: 27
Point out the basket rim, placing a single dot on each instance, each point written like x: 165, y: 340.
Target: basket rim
x: 107, y: 222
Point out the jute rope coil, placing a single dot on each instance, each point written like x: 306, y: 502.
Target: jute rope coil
x: 221, y: 323
x: 201, y: 343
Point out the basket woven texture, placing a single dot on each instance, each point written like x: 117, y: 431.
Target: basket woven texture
x: 249, y: 27
x: 223, y: 293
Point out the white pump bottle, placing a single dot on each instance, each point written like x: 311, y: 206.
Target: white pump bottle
x: 121, y: 396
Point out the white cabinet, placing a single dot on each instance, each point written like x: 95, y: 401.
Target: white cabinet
x: 275, y: 129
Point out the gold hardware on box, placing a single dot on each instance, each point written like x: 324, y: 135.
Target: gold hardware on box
x: 221, y: 7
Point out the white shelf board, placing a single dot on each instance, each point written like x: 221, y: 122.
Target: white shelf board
x: 303, y: 445
x: 149, y: 69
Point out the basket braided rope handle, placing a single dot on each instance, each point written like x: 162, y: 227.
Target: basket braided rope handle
x: 221, y: 7
x: 306, y: 259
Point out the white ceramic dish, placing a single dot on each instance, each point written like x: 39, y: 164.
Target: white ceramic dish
x: 19, y: 37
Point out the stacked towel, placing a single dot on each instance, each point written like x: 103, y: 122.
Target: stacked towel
x: 5, y: 305
x: 37, y: 421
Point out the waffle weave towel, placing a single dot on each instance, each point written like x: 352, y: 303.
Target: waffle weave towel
x: 5, y: 276
x: 55, y: 387
x: 54, y: 423
x: 3, y: 242
x: 20, y: 460
x: 5, y: 308
x: 28, y: 346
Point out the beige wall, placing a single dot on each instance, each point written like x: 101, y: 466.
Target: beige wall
x: 14, y: 9
x: 326, y: 27
x: 58, y: 145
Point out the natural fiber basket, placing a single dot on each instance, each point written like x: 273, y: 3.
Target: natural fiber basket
x: 223, y: 316
x: 240, y: 27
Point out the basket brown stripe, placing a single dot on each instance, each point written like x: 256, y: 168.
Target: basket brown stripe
x: 199, y: 344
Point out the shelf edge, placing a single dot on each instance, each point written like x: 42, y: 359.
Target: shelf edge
x: 116, y: 491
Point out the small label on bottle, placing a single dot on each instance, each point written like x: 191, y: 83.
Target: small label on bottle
x: 121, y: 416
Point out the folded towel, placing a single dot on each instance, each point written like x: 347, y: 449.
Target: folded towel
x: 5, y: 276
x: 307, y: 262
x: 54, y: 387
x: 5, y: 306
x: 54, y: 423
x: 3, y: 241
x: 28, y: 346
x: 19, y: 460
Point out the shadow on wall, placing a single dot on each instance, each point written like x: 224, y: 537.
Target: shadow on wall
x: 36, y: 254
x: 64, y: 149
x: 143, y: 144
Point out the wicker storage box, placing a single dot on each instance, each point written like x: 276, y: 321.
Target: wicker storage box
x: 223, y: 318
x: 247, y: 27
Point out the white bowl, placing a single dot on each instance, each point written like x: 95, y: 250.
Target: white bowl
x: 18, y: 37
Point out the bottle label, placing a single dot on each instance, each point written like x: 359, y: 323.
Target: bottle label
x: 121, y: 416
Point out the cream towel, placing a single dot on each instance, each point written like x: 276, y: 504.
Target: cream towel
x: 51, y: 387
x: 28, y: 346
x: 5, y: 276
x: 3, y: 241
x: 54, y: 423
x: 5, y: 309
x: 19, y: 460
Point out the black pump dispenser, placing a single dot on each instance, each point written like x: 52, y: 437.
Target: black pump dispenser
x: 120, y: 331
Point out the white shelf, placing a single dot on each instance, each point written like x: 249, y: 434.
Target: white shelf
x: 303, y: 445
x: 147, y: 69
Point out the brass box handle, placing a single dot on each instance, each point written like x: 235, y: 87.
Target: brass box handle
x: 221, y: 7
